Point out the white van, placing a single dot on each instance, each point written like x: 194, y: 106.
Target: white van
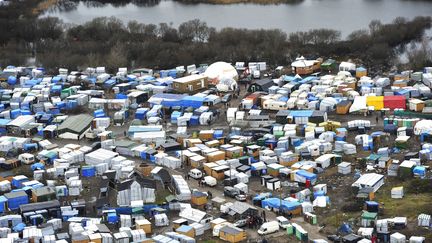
x: 283, y: 222
x: 26, y: 158
x: 195, y: 173
x: 209, y: 181
x: 268, y: 228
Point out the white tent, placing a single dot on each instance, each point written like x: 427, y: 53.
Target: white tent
x: 221, y: 70
x: 422, y: 126
x: 358, y: 104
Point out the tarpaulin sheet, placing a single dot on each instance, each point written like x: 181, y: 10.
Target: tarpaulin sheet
x: 280, y: 204
x: 301, y: 113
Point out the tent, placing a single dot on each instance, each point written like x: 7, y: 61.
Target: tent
x: 38, y: 166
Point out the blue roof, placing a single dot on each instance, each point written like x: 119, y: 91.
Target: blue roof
x: 306, y: 174
x: 301, y: 113
x: 56, y: 78
x: 290, y: 79
x: 3, y: 199
x: 4, y: 122
x: 194, y: 98
x: 275, y: 202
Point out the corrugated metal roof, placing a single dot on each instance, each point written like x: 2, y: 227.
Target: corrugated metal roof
x: 76, y: 124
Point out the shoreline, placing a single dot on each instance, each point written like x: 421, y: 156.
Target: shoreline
x: 228, y: 2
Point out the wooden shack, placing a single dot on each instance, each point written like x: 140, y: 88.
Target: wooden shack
x: 143, y: 224
x: 199, y: 198
x: 186, y: 230
x: 343, y: 107
x: 191, y: 83
x: 232, y: 234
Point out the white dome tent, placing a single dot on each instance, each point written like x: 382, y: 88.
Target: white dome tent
x: 219, y: 71
x: 226, y: 84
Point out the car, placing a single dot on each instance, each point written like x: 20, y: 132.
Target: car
x: 226, y: 98
x: 230, y: 191
x: 240, y: 223
x: 196, y: 174
x: 283, y: 222
x: 334, y: 238
x: 241, y: 197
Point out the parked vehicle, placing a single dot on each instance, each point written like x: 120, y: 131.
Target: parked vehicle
x: 226, y: 98
x: 230, y: 191
x: 256, y: 74
x: 240, y: 223
x: 196, y: 174
x: 241, y: 197
x: 283, y: 222
x: 268, y: 228
x: 209, y: 181
x: 27, y: 158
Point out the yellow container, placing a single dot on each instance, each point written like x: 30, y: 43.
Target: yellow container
x: 376, y: 101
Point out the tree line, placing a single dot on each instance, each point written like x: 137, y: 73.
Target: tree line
x: 110, y: 42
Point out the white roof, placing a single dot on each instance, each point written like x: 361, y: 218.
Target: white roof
x: 301, y: 62
x: 22, y: 120
x: 190, y: 78
x: 368, y: 179
x: 192, y: 214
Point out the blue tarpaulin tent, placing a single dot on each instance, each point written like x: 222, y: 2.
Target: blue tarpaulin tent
x: 301, y: 113
x: 38, y: 166
x: 19, y: 227
x: 419, y: 171
x: 279, y: 204
x: 12, y: 80
x: 3, y: 201
x: 192, y: 101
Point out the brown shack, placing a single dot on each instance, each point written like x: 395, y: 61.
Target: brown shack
x: 190, y: 84
x: 343, y: 107
x: 232, y: 234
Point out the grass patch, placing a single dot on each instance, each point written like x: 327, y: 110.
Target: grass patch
x: 161, y: 195
x: 336, y: 219
x: 409, y: 206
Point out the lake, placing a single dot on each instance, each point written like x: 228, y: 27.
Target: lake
x: 343, y: 15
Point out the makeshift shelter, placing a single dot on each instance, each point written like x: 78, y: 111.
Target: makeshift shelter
x: 75, y: 127
x: 232, y: 234
x: 372, y: 181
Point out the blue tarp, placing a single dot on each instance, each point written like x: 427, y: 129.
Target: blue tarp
x: 4, y: 122
x: 56, y: 79
x: 280, y: 204
x: 121, y: 96
x: 56, y: 88
x: 301, y: 113
x: 308, y: 79
x: 419, y: 171
x: 192, y: 101
x: 12, y: 80
x: 168, y: 100
x: 307, y: 175
x: 19, y: 227
x: 3, y: 201
x: 38, y: 166
x: 290, y: 78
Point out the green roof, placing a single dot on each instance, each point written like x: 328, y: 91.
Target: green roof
x: 76, y: 124
x: 369, y: 215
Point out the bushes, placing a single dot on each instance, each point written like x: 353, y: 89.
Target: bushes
x: 110, y: 42
x: 417, y: 185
